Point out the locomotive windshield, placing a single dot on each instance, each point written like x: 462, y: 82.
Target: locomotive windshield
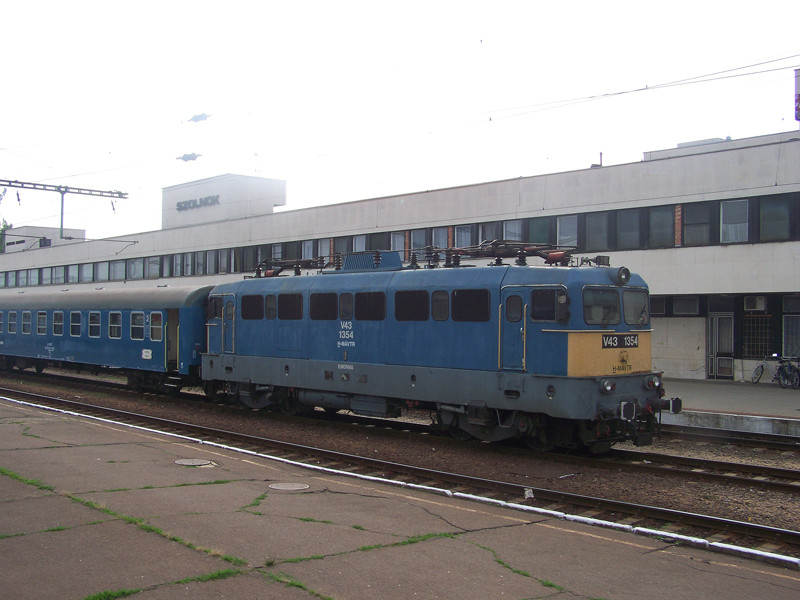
x: 636, y: 305
x: 601, y: 306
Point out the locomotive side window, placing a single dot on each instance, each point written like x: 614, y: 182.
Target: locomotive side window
x: 12, y: 321
x: 346, y: 306
x: 601, y: 306
x: 270, y: 307
x: 75, y: 323
x: 156, y: 326
x: 323, y: 307
x: 411, y: 305
x: 252, y: 308
x: 370, y: 306
x: 214, y: 308
x: 26, y: 322
x: 471, y: 305
x: 115, y: 325
x: 514, y: 308
x: 229, y: 310
x: 440, y: 305
x: 635, y: 307
x: 137, y: 325
x: 94, y: 324
x: 58, y: 323
x: 41, y: 323
x: 290, y: 307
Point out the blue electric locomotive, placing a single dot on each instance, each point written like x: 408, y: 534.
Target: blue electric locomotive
x: 154, y: 336
x: 559, y: 356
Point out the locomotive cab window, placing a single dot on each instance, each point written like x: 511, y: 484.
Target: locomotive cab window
x: 601, y: 306
x: 58, y: 323
x: 323, y: 307
x: 549, y: 305
x: 411, y: 305
x: 252, y: 308
x: 137, y: 325
x: 470, y: 305
x: 636, y: 308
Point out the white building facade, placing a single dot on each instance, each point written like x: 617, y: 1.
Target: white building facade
x: 714, y: 227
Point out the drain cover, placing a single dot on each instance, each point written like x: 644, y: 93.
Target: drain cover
x: 291, y: 487
x: 193, y: 462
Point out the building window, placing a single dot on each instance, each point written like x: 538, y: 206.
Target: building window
x: 733, y: 221
x: 512, y: 230
x: 135, y: 268
x: 567, y: 230
x: 658, y: 306
x: 464, y: 236
x: 439, y: 237
x: 45, y: 276
x: 199, y: 263
x: 117, y: 268
x: 342, y: 245
x: 697, y: 224
x: 359, y: 243
x: 177, y: 265
x: 791, y: 335
x: 72, y: 274
x: 488, y: 232
x: 101, y: 272
x: 686, y: 306
x: 277, y: 251
x: 756, y: 338
x: 419, y: 238
x: 187, y: 263
x: 22, y: 278
x: 597, y: 232
x: 307, y: 250
x: 628, y: 230
x: 539, y: 230
x: 774, y: 219
x: 86, y: 273
x: 324, y: 247
x: 166, y: 266
x: 33, y: 276
x: 152, y: 267
x: 662, y: 227
x: 398, y: 240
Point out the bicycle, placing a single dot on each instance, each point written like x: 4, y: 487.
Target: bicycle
x: 786, y: 373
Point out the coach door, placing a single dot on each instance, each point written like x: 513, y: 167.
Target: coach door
x: 513, y: 329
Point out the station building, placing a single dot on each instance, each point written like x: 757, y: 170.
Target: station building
x: 712, y: 226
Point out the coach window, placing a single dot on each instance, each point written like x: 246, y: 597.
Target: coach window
x: 635, y: 307
x: 440, y: 305
x: 115, y: 325
x: 26, y: 322
x: 1, y: 321
x: 252, y: 307
x: 346, y: 306
x: 514, y: 308
x: 75, y: 323
x: 58, y: 322
x: 601, y: 306
x: 12, y: 321
x: 137, y: 325
x: 156, y: 326
x: 323, y: 307
x: 94, y: 324
x: 290, y: 307
x: 41, y: 323
x: 470, y: 305
x: 270, y: 307
x: 411, y: 305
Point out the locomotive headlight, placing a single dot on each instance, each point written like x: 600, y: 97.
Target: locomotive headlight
x: 607, y: 386
x: 652, y: 382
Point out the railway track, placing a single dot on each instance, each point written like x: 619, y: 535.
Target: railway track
x: 756, y: 541
x: 739, y: 438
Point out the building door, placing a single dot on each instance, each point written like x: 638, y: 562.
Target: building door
x: 719, y: 343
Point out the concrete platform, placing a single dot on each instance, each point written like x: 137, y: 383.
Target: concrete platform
x: 88, y: 507
x: 738, y: 406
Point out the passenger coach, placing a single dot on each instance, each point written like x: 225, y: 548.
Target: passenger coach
x: 154, y: 335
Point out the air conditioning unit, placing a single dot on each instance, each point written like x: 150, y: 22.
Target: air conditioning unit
x: 755, y: 303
